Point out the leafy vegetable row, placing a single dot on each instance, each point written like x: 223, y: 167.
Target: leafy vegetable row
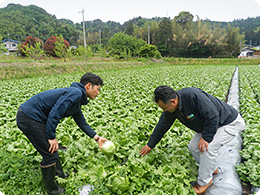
x: 123, y: 113
x: 249, y: 170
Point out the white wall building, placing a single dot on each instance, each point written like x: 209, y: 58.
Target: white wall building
x: 11, y: 45
x: 248, y: 53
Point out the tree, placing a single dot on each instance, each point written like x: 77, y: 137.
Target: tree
x: 61, y: 49
x: 233, y: 39
x: 202, y: 39
x: 92, y: 38
x: 142, y: 32
x: 165, y: 37
x: 183, y: 18
x: 130, y: 29
x: 49, y: 46
x: 31, y: 47
x: 122, y: 45
x: 150, y: 51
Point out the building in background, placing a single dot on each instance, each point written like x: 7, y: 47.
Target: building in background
x: 11, y: 45
x: 249, y: 53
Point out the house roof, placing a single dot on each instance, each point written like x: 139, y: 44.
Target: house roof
x: 10, y: 41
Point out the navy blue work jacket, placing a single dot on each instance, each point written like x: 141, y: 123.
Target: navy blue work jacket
x: 50, y: 106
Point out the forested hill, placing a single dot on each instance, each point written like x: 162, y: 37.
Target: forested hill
x: 250, y: 27
x: 17, y: 22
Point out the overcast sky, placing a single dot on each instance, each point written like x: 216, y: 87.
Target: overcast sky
x: 124, y: 10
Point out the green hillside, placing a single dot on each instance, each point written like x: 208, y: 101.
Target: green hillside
x: 17, y: 22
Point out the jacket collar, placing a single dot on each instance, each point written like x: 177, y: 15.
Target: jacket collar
x: 84, y: 98
x: 180, y: 102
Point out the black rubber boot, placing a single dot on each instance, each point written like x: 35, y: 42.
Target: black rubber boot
x: 48, y: 173
x: 59, y: 170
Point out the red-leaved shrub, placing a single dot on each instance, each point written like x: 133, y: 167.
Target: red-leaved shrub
x: 50, y: 45
x: 29, y: 41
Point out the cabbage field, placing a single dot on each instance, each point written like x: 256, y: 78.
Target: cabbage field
x: 125, y: 114
x: 249, y: 170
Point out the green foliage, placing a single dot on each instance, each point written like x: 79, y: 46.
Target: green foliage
x: 2, y: 46
x: 249, y: 169
x: 149, y: 51
x: 125, y: 46
x: 32, y: 48
x: 56, y: 46
x: 61, y: 48
x: 130, y: 29
x: 183, y: 18
x: 142, y: 32
x: 102, y: 53
x: 20, y: 21
x: 233, y: 39
x: 82, y: 52
x: 250, y: 28
x: 20, y: 174
x: 189, y: 39
x: 165, y: 37
x: 123, y: 113
x: 200, y: 39
x: 35, y: 52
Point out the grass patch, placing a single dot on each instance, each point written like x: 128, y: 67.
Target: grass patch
x: 14, y: 67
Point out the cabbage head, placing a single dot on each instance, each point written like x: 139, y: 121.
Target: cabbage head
x: 108, y: 147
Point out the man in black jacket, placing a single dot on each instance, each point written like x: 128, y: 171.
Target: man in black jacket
x: 214, y: 121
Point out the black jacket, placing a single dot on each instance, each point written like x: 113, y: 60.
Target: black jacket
x: 198, y: 111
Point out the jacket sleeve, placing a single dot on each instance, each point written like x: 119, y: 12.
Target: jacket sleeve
x: 210, y: 115
x: 81, y: 122
x: 58, y: 111
x: 165, y: 122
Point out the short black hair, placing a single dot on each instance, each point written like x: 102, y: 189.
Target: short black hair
x: 164, y: 93
x: 91, y: 78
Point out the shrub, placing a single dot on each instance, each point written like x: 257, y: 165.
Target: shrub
x: 82, y: 52
x: 2, y: 46
x: 125, y: 45
x: 150, y: 51
x: 49, y: 46
x: 31, y: 46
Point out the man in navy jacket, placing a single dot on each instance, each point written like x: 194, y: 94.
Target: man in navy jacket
x: 214, y: 121
x: 39, y: 116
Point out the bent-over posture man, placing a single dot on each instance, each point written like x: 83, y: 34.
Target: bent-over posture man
x: 215, y: 122
x: 39, y: 116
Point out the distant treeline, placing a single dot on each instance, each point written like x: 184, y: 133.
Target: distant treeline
x: 180, y: 36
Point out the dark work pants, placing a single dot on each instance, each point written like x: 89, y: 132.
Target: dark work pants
x: 36, y: 133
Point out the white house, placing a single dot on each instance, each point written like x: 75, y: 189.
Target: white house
x: 11, y: 45
x: 248, y: 53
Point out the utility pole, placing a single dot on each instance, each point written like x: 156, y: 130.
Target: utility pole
x: 99, y: 37
x: 148, y: 34
x: 84, y: 33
